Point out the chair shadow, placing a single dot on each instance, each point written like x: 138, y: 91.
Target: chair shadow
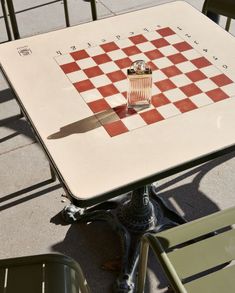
x: 19, y: 196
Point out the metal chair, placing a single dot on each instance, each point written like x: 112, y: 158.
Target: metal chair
x: 196, y: 256
x: 51, y: 273
x: 226, y: 8
x: 13, y: 19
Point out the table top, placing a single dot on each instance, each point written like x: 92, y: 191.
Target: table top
x: 72, y: 85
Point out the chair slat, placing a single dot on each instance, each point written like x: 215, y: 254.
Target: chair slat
x: 217, y: 282
x: 25, y: 279
x: 2, y: 278
x: 196, y: 228
x: 204, y: 255
x: 65, y: 277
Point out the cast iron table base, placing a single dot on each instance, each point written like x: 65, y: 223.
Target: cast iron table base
x: 143, y: 211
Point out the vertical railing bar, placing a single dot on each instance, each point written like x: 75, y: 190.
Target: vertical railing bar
x: 66, y: 13
x: 5, y: 16
x: 93, y: 10
x: 13, y: 19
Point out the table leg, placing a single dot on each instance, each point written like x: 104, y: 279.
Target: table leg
x: 143, y: 212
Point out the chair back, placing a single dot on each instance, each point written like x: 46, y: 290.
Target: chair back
x: 220, y: 7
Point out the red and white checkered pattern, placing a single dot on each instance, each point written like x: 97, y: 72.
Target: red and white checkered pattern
x: 183, y: 80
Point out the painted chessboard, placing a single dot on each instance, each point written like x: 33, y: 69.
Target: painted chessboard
x: 183, y: 79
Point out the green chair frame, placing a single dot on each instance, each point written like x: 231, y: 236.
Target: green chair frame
x: 220, y: 7
x: 195, y: 256
x: 14, y: 24
x: 49, y: 273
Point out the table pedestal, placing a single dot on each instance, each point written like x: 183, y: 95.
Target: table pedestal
x: 143, y: 211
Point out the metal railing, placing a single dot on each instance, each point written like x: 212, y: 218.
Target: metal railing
x: 10, y: 19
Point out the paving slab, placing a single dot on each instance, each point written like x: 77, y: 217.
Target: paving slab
x: 16, y: 133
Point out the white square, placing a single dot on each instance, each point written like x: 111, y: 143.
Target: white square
x: 134, y: 122
x: 94, y: 51
x: 175, y: 95
x: 116, y: 55
x: 91, y: 95
x: 168, y: 110
x: 191, y: 54
x: 229, y: 89
x: 180, y: 80
x: 116, y: 100
x: 210, y: 71
x: 155, y: 90
x: 168, y: 50
x: 162, y: 62
x: 206, y: 85
x: 121, y: 85
x: 145, y: 47
x: 64, y: 59
x: 158, y: 75
x: 173, y: 39
x: 152, y: 36
x: 109, y: 67
x: 86, y: 63
x: 201, y: 100
x: 124, y: 43
x: 186, y: 66
x: 76, y: 76
x: 99, y: 81
x: 140, y: 56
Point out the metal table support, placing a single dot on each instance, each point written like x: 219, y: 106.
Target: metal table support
x: 143, y: 211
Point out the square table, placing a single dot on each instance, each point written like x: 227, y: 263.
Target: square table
x: 71, y: 85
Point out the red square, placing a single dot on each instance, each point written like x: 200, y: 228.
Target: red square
x: 98, y: 105
x: 115, y: 128
x: 159, y: 100
x: 221, y: 80
x: 190, y: 90
x: 152, y: 66
x: 154, y: 54
x: 185, y: 105
x: 78, y: 55
x: 108, y: 90
x: 166, y: 32
x: 151, y: 116
x: 102, y: 58
x: 165, y: 85
x: 159, y: 43
x: 123, y: 111
x: 83, y: 85
x: 171, y: 71
x: 123, y: 63
x: 182, y: 46
x: 132, y: 50
x: 116, y: 76
x: 177, y: 58
x: 108, y: 47
x: 93, y: 71
x: 70, y: 67
x: 217, y: 95
x: 196, y: 75
x: 201, y: 62
x: 138, y: 39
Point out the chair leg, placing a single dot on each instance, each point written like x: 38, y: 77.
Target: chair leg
x: 93, y: 10
x: 143, y: 260
x: 53, y: 175
x: 228, y: 22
